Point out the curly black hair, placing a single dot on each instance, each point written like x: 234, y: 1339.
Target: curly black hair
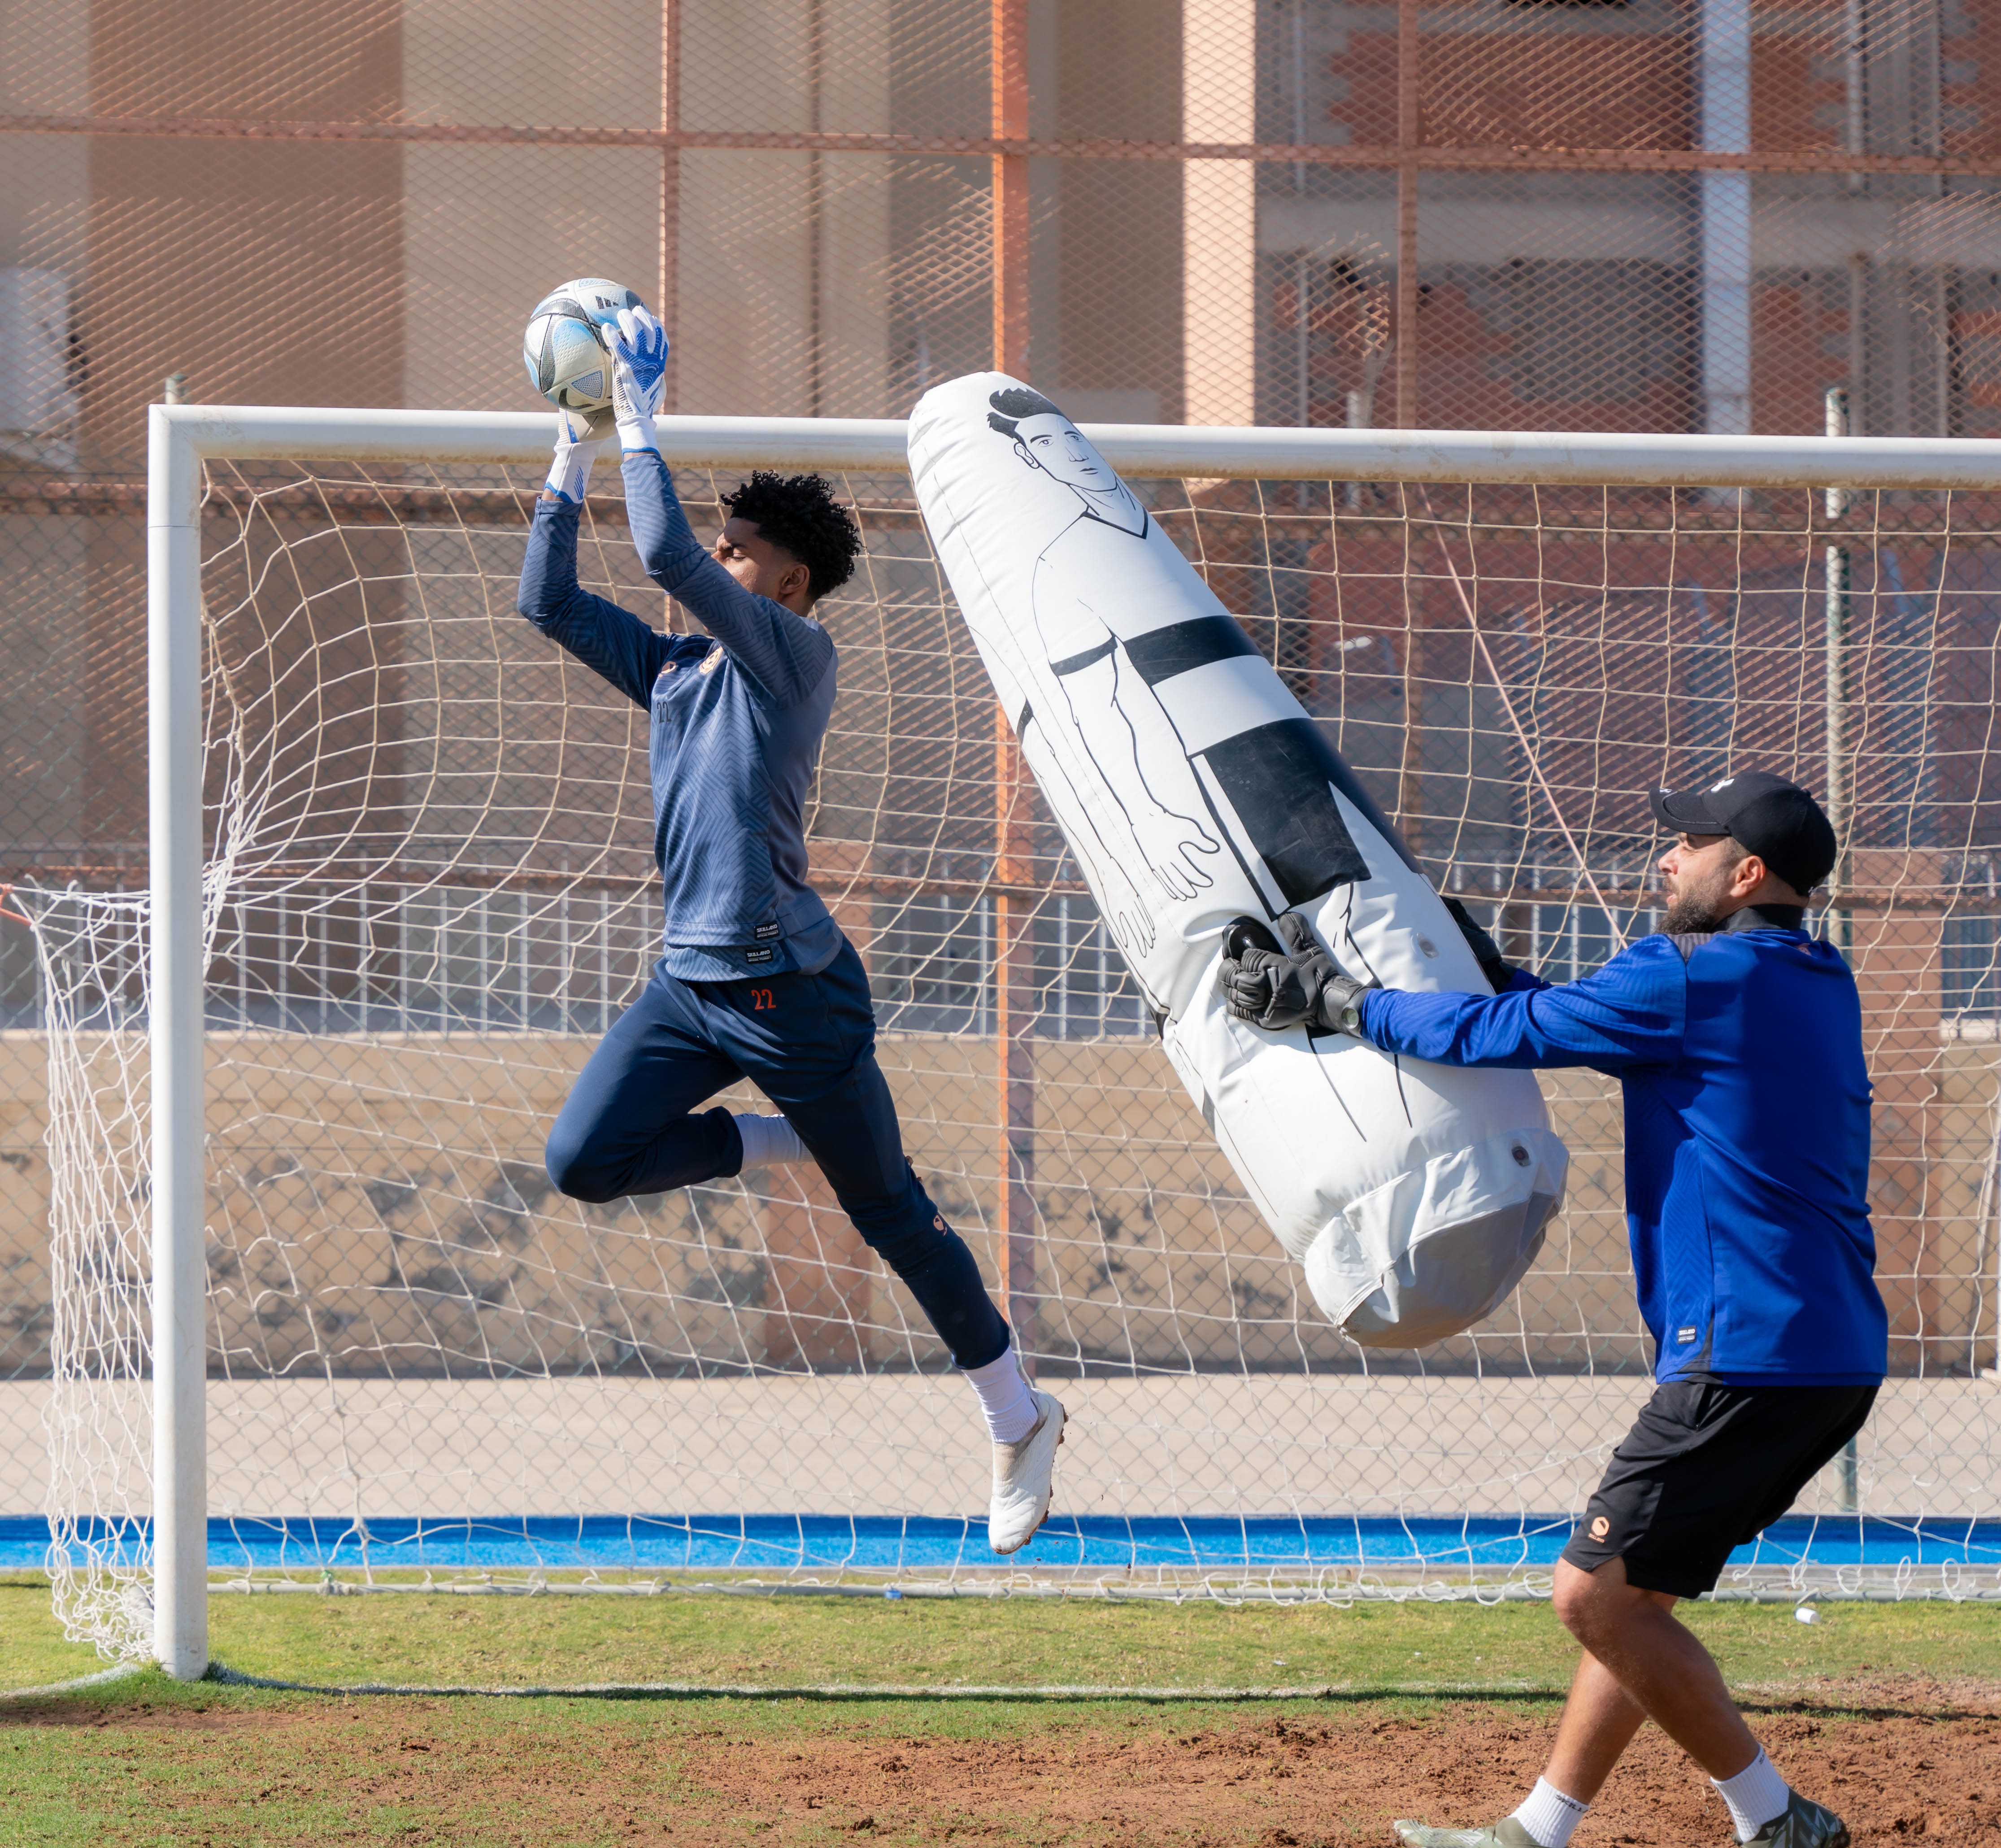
x: 799, y: 514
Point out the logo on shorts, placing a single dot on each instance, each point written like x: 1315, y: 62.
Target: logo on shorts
x: 1684, y: 1336
x: 1600, y: 1526
x: 764, y: 931
x: 764, y: 955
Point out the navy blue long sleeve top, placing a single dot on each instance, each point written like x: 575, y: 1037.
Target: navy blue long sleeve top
x: 1747, y: 1138
x: 737, y: 718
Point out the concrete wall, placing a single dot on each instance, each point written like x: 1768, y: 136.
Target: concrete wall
x: 1193, y: 1445
x: 405, y: 1321
x: 378, y: 1206
x: 381, y: 1206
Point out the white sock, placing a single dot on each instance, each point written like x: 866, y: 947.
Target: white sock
x: 1756, y: 1795
x: 1011, y: 1408
x: 769, y: 1138
x: 1549, y: 1816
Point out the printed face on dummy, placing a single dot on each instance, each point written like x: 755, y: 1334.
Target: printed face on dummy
x: 1055, y: 445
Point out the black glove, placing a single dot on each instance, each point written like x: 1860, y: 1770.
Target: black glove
x: 1486, y: 951
x: 1302, y: 986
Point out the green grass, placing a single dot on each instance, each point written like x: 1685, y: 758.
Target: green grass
x: 33, y: 1652
x: 150, y: 1764
x: 796, y: 1641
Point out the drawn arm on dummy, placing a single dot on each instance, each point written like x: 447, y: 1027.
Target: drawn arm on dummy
x: 1127, y: 915
x: 1052, y: 751
x: 1084, y: 659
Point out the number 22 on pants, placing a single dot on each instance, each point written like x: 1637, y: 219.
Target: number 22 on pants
x: 763, y: 1001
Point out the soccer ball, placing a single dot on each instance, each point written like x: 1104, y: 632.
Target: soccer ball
x: 564, y: 348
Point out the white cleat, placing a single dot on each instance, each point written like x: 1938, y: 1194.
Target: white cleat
x: 1023, y: 1479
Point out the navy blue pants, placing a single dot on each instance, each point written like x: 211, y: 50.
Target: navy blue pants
x: 808, y: 1042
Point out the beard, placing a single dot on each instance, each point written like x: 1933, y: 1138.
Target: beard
x: 1693, y: 912
x: 1693, y: 915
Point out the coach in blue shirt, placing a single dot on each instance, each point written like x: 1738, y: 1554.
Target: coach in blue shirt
x: 1737, y: 1040
x: 755, y: 979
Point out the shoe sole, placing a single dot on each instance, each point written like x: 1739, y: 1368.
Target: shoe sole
x: 1043, y: 1519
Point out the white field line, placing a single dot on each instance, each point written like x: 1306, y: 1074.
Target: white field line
x: 862, y: 1690
x: 71, y: 1687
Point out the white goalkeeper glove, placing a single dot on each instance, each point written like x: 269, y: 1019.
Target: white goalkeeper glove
x: 639, y: 376
x: 578, y: 438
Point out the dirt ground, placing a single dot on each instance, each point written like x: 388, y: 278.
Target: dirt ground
x: 1918, y: 1760
x: 1287, y: 1781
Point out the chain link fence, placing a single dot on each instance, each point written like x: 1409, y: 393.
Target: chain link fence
x: 1493, y: 214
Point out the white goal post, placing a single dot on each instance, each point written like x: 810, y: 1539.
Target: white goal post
x: 183, y: 439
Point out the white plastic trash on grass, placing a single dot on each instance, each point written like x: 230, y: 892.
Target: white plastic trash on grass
x: 1194, y: 789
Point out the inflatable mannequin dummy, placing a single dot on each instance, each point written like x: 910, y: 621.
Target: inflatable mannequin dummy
x: 1196, y: 794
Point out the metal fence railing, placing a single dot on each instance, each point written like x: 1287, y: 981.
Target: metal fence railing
x: 457, y: 959
x: 467, y: 959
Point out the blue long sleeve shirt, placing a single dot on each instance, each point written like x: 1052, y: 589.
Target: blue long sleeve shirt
x: 737, y: 718
x: 1747, y: 1139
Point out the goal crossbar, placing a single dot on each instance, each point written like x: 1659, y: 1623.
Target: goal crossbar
x: 1523, y: 458
x: 183, y: 437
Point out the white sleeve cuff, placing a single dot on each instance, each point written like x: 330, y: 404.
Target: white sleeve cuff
x: 569, y: 469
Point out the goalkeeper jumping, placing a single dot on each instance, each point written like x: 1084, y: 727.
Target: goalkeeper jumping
x: 755, y: 979
x: 1738, y: 1039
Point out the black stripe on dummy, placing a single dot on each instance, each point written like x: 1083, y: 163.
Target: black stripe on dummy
x: 1076, y: 664
x: 1181, y: 647
x: 1349, y: 784
x: 1160, y: 654
x: 1276, y: 777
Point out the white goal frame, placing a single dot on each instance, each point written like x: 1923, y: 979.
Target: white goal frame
x: 181, y: 437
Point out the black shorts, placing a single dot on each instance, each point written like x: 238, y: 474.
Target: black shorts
x: 1705, y: 1468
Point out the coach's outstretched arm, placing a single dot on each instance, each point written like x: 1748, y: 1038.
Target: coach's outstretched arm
x: 1631, y: 1012
x: 610, y: 641
x: 785, y: 654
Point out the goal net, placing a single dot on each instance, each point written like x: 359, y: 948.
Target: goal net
x: 427, y: 891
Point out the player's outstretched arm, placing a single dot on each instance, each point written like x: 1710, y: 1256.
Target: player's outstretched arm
x: 610, y: 641
x: 783, y: 653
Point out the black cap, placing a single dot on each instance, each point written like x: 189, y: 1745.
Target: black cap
x: 1776, y: 820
